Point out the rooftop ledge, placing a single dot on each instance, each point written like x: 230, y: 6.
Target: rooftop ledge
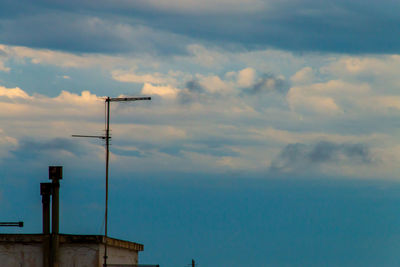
x: 67, y: 239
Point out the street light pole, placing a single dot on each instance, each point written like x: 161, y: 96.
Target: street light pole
x: 107, y: 138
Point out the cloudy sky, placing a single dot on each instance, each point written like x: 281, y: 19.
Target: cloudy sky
x: 269, y: 121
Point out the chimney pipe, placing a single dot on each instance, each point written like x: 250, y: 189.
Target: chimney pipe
x: 45, y: 192
x: 55, y: 174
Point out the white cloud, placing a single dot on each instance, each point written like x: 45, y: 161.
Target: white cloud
x: 69, y: 60
x: 329, y: 98
x: 38, y: 107
x: 223, y: 128
x: 381, y: 72
x: 3, y: 59
x: 6, y: 144
x: 3, y: 67
x: 170, y: 136
x: 213, y: 84
x: 13, y: 93
x: 86, y: 98
x: 42, y: 56
x: 303, y: 76
x: 385, y: 102
x: 204, y: 56
x: 163, y: 91
x: 132, y: 77
x: 246, y: 77
x: 315, y: 104
x: 382, y: 65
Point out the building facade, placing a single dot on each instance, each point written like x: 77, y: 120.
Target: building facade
x: 27, y: 250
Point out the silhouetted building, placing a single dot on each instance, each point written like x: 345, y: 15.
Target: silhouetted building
x: 26, y: 250
x: 62, y: 250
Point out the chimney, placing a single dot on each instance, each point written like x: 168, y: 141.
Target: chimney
x: 45, y: 192
x: 55, y: 174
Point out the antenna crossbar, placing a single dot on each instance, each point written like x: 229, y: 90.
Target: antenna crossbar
x: 12, y: 224
x: 121, y: 99
x: 91, y: 136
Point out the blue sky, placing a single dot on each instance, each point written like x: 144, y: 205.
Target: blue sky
x: 271, y: 138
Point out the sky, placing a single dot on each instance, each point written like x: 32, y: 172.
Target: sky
x: 271, y: 138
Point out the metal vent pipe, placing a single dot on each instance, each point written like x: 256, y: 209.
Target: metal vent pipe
x: 45, y: 192
x: 55, y: 174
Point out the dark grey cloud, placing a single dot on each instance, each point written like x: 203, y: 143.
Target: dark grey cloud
x: 194, y: 86
x: 192, y: 92
x: 301, y: 156
x: 88, y: 34
x: 268, y: 83
x: 31, y: 149
x: 359, y: 26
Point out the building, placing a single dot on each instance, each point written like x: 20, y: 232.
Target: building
x: 63, y: 250
x: 74, y: 251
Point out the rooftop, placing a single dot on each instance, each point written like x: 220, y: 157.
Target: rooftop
x: 68, y: 239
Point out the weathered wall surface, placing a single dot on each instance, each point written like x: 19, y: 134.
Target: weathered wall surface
x: 118, y: 255
x: 74, y: 255
x: 21, y: 255
x: 75, y: 251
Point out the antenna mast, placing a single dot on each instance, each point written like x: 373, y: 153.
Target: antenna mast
x: 107, y: 138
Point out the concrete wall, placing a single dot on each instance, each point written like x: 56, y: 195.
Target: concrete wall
x: 118, y: 256
x: 71, y: 255
x: 79, y: 255
x: 21, y: 255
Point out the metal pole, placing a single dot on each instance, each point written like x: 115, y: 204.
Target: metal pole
x: 55, y: 174
x: 45, y: 191
x: 55, y: 223
x: 107, y: 137
x: 107, y: 160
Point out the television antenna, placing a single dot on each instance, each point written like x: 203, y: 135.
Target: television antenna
x: 107, y: 137
x: 12, y: 224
